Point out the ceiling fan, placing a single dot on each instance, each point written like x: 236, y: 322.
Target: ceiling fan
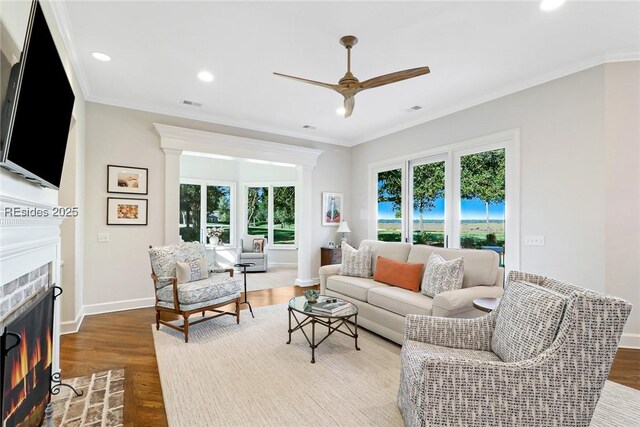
x: 349, y: 85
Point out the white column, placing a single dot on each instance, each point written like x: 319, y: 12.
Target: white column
x: 304, y: 204
x: 172, y: 195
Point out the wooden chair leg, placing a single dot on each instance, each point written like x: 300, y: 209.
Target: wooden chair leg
x: 238, y: 311
x: 186, y: 327
x: 157, y: 320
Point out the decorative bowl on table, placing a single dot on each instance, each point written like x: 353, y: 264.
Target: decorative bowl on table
x: 311, y: 295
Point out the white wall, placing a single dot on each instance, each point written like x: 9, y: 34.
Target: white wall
x: 117, y: 273
x: 622, y: 188
x: 564, y: 175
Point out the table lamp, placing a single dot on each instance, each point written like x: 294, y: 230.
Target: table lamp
x: 344, y: 228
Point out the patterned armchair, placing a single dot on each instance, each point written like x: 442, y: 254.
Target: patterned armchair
x: 507, y: 368
x: 208, y: 294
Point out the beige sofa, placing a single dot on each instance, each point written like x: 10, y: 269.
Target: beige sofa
x: 382, y: 308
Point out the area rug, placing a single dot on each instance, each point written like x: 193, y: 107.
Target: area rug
x: 275, y: 277
x: 246, y: 375
x: 100, y: 405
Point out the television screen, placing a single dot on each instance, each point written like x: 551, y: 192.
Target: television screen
x: 37, y: 110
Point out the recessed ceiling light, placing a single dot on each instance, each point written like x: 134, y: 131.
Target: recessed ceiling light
x: 101, y: 56
x: 340, y: 111
x: 415, y: 108
x: 551, y: 4
x: 205, y: 76
x: 308, y: 127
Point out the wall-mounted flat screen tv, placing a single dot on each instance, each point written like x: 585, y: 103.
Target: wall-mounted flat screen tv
x: 37, y: 108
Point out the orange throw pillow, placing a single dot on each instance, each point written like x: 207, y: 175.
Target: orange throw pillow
x: 406, y: 275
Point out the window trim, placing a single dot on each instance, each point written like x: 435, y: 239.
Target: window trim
x: 204, y: 183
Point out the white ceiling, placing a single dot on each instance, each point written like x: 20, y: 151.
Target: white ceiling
x: 477, y: 51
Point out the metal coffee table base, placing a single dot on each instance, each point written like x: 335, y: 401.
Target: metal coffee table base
x: 332, y: 323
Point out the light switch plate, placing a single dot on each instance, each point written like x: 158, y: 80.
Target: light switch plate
x: 537, y: 240
x: 103, y: 237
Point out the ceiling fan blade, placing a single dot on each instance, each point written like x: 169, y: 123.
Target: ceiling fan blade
x: 393, y: 77
x: 313, y: 82
x: 349, y: 103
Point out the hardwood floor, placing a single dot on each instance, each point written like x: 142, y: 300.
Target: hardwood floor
x: 124, y: 339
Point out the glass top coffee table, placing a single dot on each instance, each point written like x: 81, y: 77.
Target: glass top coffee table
x: 334, y: 322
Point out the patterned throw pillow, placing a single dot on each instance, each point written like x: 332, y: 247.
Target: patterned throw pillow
x: 258, y: 245
x: 191, y: 271
x: 527, y: 321
x: 356, y: 263
x: 441, y: 276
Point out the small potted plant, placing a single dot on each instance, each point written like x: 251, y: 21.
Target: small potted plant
x: 214, y: 233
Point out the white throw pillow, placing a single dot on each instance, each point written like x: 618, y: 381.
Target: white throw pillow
x: 191, y: 271
x: 441, y: 276
x: 356, y: 263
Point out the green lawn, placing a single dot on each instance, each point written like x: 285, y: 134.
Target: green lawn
x: 281, y: 236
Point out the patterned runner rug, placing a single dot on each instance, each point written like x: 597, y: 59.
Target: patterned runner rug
x: 101, y: 404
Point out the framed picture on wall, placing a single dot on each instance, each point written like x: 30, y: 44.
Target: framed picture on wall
x: 127, y: 179
x: 332, y: 206
x: 126, y: 211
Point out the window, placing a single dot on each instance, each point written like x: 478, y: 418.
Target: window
x: 482, y: 197
x: 390, y: 205
x: 428, y: 195
x: 206, y: 205
x: 271, y: 212
x: 284, y: 215
x: 458, y: 196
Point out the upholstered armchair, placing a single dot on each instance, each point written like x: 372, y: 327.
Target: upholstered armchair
x: 540, y: 359
x: 253, y: 249
x: 183, y: 285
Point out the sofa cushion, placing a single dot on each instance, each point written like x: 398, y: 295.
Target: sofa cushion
x: 216, y: 286
x: 402, y: 274
x: 252, y: 255
x: 356, y: 263
x: 480, y: 266
x: 432, y: 351
x: 400, y: 301
x: 191, y: 271
x: 247, y: 242
x: 354, y: 287
x: 396, y: 251
x: 442, y: 276
x: 527, y: 321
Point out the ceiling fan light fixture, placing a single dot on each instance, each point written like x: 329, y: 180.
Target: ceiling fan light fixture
x: 340, y: 111
x: 548, y: 5
x: 205, y: 76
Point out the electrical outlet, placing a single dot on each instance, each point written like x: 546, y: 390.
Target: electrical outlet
x: 534, y: 240
x: 103, y: 237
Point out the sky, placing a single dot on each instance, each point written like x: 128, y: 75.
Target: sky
x: 471, y: 209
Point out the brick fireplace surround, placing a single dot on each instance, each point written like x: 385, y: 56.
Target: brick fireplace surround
x: 30, y: 260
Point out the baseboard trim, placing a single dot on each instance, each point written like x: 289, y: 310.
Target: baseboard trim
x: 110, y: 307
x: 630, y: 341
x: 72, y: 326
x: 310, y: 282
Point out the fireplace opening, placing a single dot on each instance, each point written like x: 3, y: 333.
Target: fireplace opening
x: 26, y: 356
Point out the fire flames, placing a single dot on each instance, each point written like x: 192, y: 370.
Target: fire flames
x: 25, y: 370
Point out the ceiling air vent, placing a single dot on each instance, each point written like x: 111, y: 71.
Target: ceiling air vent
x: 192, y: 103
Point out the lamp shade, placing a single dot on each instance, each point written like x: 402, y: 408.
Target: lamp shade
x: 343, y: 228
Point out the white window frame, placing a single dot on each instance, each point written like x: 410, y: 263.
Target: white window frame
x: 204, y: 183
x: 270, y: 219
x: 509, y: 140
x: 373, y: 198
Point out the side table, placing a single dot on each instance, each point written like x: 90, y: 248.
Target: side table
x: 244, y: 266
x: 486, y: 304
